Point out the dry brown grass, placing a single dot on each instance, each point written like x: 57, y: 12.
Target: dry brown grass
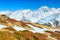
x: 9, y: 33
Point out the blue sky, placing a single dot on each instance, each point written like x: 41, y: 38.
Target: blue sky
x: 27, y: 4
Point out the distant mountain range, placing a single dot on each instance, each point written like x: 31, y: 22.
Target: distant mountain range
x: 42, y: 15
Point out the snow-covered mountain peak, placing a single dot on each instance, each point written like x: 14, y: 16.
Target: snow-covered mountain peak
x: 43, y: 8
x: 42, y: 15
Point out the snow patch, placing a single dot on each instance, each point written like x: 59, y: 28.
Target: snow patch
x: 36, y: 29
x: 2, y: 26
x: 19, y: 28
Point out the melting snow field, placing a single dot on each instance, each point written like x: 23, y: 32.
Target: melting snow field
x: 35, y: 29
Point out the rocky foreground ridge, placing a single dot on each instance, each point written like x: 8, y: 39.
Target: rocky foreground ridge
x: 9, y: 33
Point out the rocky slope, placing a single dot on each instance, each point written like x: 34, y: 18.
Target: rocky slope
x: 11, y: 34
x: 32, y: 31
